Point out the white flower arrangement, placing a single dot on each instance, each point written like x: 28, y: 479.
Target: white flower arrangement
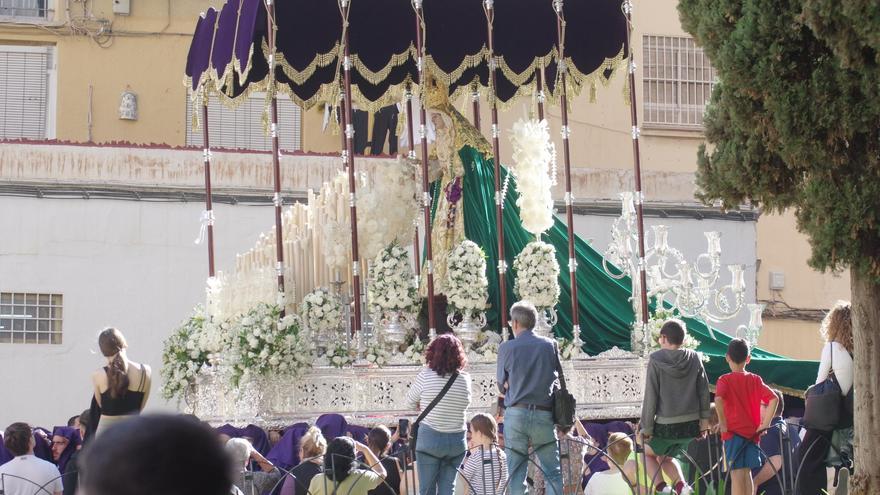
x: 485, y: 347
x: 338, y: 356
x: 392, y: 286
x: 655, y: 323
x: 537, y: 275
x: 377, y: 355
x: 387, y: 207
x: 415, y: 353
x: 183, y: 357
x: 467, y: 287
x: 267, y: 344
x: 533, y: 154
x: 568, y: 350
x: 321, y: 311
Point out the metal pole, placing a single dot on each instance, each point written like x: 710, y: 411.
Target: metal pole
x: 475, y: 98
x: 209, y: 209
x: 539, y: 82
x: 566, y: 154
x: 276, y: 151
x: 499, y: 200
x: 410, y: 133
x: 349, y: 156
x: 637, y: 167
x: 426, y: 193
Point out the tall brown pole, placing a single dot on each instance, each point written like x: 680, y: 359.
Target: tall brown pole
x: 499, y: 200
x: 475, y: 99
x: 566, y: 154
x: 539, y: 84
x: 410, y: 133
x: 276, y: 151
x: 349, y: 151
x: 637, y: 167
x: 209, y: 208
x: 426, y: 193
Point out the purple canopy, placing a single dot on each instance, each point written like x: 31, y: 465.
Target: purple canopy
x: 73, y: 436
x: 285, y: 454
x: 228, y: 53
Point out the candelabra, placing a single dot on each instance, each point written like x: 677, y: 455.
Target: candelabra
x: 690, y: 287
x: 752, y: 331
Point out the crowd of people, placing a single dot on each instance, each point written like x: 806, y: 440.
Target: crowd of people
x: 740, y: 444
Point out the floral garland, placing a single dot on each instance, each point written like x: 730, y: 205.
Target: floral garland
x: 467, y: 287
x: 267, y: 344
x: 377, y: 355
x: 183, y: 356
x: 537, y: 275
x: 533, y: 153
x: 392, y: 285
x: 320, y: 310
x: 338, y: 356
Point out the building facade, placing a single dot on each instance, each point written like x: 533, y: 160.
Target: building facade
x: 101, y: 210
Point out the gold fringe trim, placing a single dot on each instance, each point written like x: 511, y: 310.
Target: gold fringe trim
x: 301, y: 76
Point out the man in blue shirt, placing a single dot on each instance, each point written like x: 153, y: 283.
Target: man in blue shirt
x: 526, y: 376
x: 777, y: 446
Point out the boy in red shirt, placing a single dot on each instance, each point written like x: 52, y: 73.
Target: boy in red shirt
x: 738, y: 399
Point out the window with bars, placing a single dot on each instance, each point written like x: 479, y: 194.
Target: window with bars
x: 24, y: 8
x: 678, y: 81
x: 30, y: 318
x: 243, y: 128
x: 24, y: 91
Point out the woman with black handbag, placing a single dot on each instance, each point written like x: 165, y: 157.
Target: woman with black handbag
x: 443, y: 393
x: 829, y: 410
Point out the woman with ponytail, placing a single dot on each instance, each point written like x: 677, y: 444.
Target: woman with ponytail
x: 122, y: 387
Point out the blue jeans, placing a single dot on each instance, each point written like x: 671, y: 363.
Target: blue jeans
x: 438, y: 456
x: 524, y: 428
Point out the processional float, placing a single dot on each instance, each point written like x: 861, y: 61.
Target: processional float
x: 370, y: 53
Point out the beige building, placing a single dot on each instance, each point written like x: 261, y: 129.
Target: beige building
x: 67, y: 66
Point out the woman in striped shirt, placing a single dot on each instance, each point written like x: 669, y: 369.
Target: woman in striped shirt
x: 441, y: 435
x: 485, y: 470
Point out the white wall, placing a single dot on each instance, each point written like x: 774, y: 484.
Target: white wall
x: 132, y: 265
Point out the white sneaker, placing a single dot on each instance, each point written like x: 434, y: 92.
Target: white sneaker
x: 686, y: 490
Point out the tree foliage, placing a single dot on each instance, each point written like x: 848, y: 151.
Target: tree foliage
x: 795, y: 118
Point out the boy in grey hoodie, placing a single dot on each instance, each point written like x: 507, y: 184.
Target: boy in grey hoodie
x: 676, y: 405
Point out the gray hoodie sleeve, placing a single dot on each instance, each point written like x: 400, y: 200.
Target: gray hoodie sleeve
x: 703, y: 392
x: 649, y: 403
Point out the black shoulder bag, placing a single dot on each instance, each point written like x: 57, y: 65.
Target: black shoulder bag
x: 564, y: 403
x: 824, y: 402
x: 414, y: 428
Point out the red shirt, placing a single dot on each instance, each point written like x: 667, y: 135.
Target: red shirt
x: 743, y: 393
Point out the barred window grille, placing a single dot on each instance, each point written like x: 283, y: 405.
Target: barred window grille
x: 23, y: 8
x: 678, y: 81
x: 24, y: 91
x: 244, y: 128
x: 30, y: 318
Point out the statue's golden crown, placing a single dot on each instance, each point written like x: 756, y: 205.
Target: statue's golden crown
x: 436, y: 93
